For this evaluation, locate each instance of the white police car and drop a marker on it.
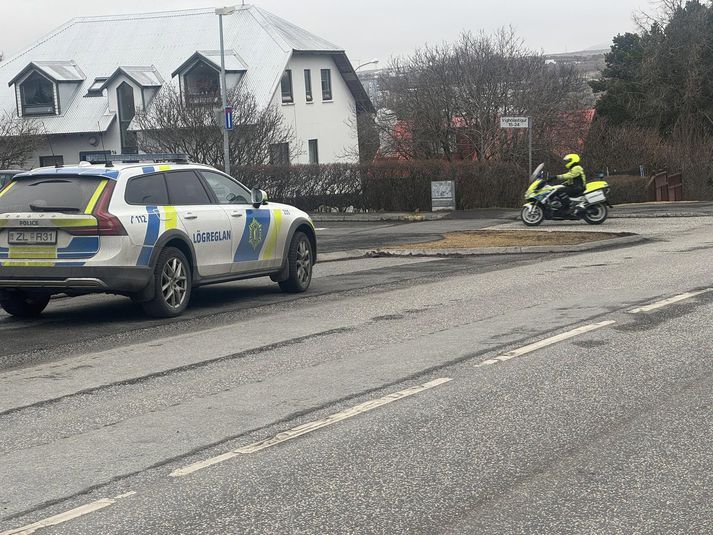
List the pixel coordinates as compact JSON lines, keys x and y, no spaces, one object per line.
{"x":149,"y":231}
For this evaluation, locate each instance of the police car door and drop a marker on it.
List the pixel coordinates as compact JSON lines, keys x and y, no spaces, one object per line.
{"x":255,"y":230}
{"x":206,"y":224}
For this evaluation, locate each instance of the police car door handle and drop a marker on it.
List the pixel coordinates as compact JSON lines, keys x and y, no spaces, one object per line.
{"x":190,"y":215}
{"x":236,"y":214}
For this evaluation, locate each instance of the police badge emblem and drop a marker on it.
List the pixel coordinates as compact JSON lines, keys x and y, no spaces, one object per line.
{"x":255,"y":236}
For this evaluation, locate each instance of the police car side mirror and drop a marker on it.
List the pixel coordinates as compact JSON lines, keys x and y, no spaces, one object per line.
{"x":259,"y":197}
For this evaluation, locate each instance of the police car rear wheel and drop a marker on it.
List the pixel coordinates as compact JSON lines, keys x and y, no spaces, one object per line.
{"x":23,"y":305}
{"x":172,"y":285}
{"x":300,"y":261}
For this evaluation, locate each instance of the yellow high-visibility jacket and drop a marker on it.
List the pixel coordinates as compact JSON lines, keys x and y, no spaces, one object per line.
{"x":574,"y":177}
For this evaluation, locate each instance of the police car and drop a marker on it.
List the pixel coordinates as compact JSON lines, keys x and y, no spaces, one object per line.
{"x":149,"y":231}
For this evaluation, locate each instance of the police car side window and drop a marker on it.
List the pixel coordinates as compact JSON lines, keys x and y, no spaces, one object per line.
{"x":186,"y":189}
{"x":226,"y":190}
{"x":147,"y":190}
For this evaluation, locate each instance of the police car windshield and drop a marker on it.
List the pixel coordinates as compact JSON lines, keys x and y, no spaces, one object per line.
{"x":41,"y":194}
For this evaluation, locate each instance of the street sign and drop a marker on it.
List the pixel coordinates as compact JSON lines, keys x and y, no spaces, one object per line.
{"x":514,"y":122}
{"x":443,"y":195}
{"x":228,"y":118}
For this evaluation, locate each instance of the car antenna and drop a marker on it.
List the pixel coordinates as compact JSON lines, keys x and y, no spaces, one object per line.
{"x":49,"y":142}
{"x":107,"y":163}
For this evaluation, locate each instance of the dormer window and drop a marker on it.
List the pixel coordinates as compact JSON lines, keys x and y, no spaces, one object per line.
{"x":199,"y":76}
{"x":37,"y":95}
{"x":202,"y":85}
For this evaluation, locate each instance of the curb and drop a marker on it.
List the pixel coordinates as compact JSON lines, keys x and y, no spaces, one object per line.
{"x":370,"y":218}
{"x":480,"y":251}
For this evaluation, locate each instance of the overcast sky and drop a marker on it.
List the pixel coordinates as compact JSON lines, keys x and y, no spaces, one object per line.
{"x":368,"y":28}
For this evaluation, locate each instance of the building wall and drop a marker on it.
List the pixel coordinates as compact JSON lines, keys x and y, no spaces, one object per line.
{"x":70,"y":145}
{"x":332,"y":124}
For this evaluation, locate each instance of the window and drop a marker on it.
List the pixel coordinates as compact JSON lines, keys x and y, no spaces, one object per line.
{"x":185,"y":189}
{"x":67,"y":194}
{"x":37,"y":95}
{"x":227,"y":190}
{"x":280,"y":154}
{"x":308,"y":85}
{"x":127,"y":110}
{"x":286,"y":86}
{"x":202,"y":85}
{"x":5,"y":179}
{"x":326,"y":84}
{"x":147,"y":190}
{"x":313,"y":151}
{"x":47,"y":161}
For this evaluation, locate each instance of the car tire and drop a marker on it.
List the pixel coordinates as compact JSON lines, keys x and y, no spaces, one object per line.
{"x":23,"y":305}
{"x":300,"y":261}
{"x":172,"y":285}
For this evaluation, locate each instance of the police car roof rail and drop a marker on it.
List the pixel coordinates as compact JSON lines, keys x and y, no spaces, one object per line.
{"x":108,"y":159}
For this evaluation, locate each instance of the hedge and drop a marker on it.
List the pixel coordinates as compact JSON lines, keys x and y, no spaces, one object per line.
{"x":388,"y":186}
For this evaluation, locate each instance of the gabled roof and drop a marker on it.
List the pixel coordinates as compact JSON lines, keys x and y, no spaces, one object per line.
{"x":262,"y":44}
{"x":59,"y":71}
{"x":233,"y":61}
{"x":141,"y":76}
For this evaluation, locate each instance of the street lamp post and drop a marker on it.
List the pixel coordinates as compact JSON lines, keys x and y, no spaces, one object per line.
{"x":229,"y":10}
{"x":372,"y":62}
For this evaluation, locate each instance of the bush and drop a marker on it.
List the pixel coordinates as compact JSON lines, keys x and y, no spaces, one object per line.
{"x":629,"y":189}
{"x":388,"y":185}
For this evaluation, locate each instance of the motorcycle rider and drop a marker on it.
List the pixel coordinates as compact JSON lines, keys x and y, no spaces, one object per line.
{"x":574,"y":180}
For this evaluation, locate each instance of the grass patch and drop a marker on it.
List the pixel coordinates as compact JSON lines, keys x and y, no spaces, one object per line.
{"x":510,"y":238}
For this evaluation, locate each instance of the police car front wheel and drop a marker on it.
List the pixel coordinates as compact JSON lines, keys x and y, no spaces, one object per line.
{"x":172,"y":285}
{"x":300,"y":261}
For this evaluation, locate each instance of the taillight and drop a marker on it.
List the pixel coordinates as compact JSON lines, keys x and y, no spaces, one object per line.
{"x":107,"y":224}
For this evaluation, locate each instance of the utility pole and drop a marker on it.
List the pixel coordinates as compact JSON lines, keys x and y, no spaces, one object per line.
{"x":529,"y":141}
{"x":223,"y":86}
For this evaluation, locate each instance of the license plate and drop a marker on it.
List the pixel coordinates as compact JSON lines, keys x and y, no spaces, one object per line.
{"x":32,"y":237}
{"x":597,"y":196}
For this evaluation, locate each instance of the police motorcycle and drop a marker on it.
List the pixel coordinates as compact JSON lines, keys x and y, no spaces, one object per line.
{"x":543,"y":203}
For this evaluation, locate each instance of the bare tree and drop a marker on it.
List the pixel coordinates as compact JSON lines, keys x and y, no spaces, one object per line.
{"x":19,"y":139}
{"x":169,"y":124}
{"x":447,"y":101}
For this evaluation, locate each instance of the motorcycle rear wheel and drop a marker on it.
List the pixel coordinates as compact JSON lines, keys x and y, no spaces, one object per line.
{"x":596,"y":214}
{"x":532,"y":215}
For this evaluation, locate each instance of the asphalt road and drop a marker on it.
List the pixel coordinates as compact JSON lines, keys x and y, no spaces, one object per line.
{"x":397,"y":396}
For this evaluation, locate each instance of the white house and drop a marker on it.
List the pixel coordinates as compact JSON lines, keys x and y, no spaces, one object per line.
{"x":84,"y":81}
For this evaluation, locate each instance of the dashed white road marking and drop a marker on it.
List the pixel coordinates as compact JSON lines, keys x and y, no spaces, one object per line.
{"x":545,"y":343}
{"x":68,"y":515}
{"x":321,"y":228}
{"x":669,"y":301}
{"x":309,"y":427}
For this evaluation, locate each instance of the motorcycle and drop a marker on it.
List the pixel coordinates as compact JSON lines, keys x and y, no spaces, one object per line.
{"x":543,"y":203}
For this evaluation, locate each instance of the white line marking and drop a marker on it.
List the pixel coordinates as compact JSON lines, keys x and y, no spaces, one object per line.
{"x":666,"y":302}
{"x":68,"y":515}
{"x":545,"y":343}
{"x":309,"y":427}
{"x":321,"y":228}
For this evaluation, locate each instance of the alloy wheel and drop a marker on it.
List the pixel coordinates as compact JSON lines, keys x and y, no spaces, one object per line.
{"x":174,"y":282}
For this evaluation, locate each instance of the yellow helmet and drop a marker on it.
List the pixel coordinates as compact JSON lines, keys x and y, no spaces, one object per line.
{"x":571,"y":160}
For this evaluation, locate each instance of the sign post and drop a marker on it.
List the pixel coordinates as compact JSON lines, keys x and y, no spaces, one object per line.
{"x":520,"y":122}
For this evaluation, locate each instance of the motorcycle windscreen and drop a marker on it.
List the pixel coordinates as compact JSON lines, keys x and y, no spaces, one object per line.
{"x":537,"y":172}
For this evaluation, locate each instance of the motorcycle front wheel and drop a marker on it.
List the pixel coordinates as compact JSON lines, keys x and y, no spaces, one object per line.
{"x":596,"y":214}
{"x":532,"y":215}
